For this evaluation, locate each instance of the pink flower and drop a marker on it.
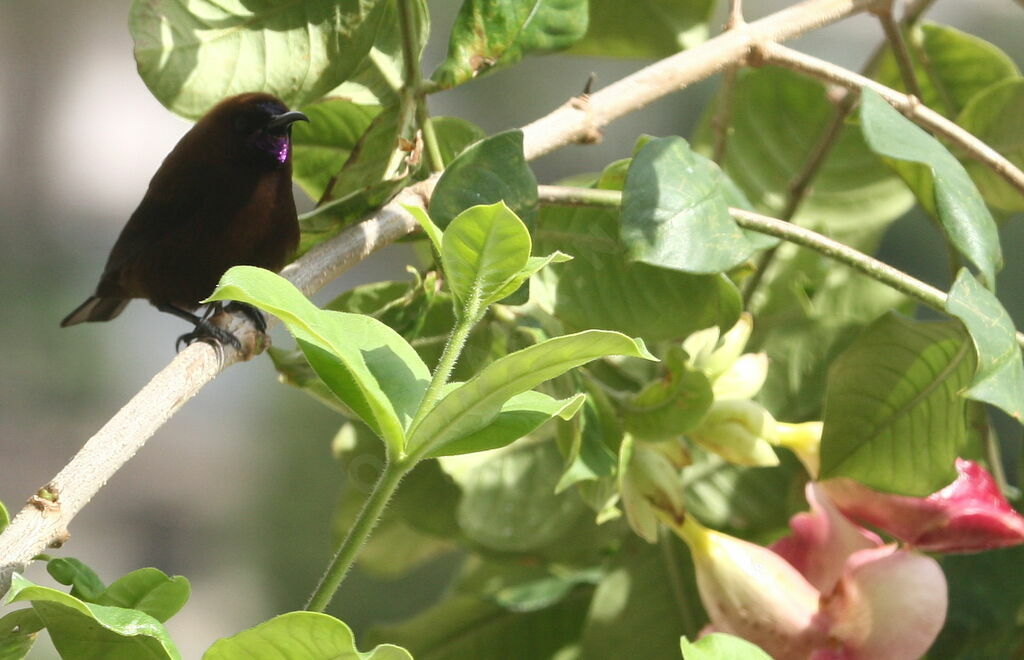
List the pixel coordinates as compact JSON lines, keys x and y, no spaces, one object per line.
{"x":969,"y":515}
{"x":830,"y":591}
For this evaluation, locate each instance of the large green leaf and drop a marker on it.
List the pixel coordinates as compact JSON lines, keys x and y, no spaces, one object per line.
{"x":675,"y":213}
{"x":951,"y":66}
{"x":996,"y":117}
{"x":601,"y":288}
{"x":472,"y":405}
{"x":946,"y":191}
{"x":84,"y":582}
{"x":380,"y":75}
{"x":489,"y":34}
{"x":193,"y":53}
{"x":644,"y":28}
{"x":364,"y":362}
{"x":519,"y":416}
{"x":377,"y":164}
{"x":483,"y":248}
{"x":492,"y":170}
{"x":895,"y":418}
{"x":149,"y":590}
{"x":670,"y":405}
{"x":508,"y":499}
{"x":1000,"y":377}
{"x":778,"y":118}
{"x":299,"y":636}
{"x":324,"y":144}
{"x":78,"y":629}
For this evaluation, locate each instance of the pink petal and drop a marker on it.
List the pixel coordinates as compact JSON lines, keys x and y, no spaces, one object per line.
{"x":890,"y":605}
{"x":822,"y":540}
{"x":969,"y":515}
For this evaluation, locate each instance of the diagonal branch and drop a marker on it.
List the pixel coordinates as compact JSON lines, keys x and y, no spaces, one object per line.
{"x":44,"y":521}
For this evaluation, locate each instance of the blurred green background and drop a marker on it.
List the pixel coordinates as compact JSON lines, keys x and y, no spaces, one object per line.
{"x":237,"y":491}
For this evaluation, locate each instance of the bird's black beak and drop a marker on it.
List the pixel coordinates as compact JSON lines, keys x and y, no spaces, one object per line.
{"x":279,"y":123}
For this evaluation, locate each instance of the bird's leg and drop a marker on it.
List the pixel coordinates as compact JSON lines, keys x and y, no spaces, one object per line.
{"x":204,"y":329}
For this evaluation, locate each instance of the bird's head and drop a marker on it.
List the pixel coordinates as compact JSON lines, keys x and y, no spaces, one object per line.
{"x":256,"y":126}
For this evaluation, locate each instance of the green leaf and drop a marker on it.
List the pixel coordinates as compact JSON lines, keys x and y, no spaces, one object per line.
{"x":508,"y":499}
{"x":454,"y":134}
{"x":364,"y":362}
{"x":462,"y":627}
{"x":84,"y":582}
{"x":669,"y":406}
{"x":18,"y":633}
{"x":644,"y":28}
{"x":1000,"y":376}
{"x":376,"y":160}
{"x":299,"y":636}
{"x":894,"y":416}
{"x":519,"y":416}
{"x":490,"y":34}
{"x":778,"y":119}
{"x":522,"y":587}
{"x":432,"y":231}
{"x":951,"y":66}
{"x":600,"y":288}
{"x":476,"y":402}
{"x":587,"y":440}
{"x":720,"y":646}
{"x":949,"y":192}
{"x":193,"y":54}
{"x":996,"y":117}
{"x":148,"y":590}
{"x":482,"y":248}
{"x":77,"y":628}
{"x":492,"y":170}
{"x":5,"y":518}
{"x":322,"y":145}
{"x":675,"y":214}
{"x":379,"y":76}
{"x":647,"y":599}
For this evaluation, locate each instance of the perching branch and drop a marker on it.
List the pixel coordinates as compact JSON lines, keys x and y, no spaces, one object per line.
{"x":44,"y":521}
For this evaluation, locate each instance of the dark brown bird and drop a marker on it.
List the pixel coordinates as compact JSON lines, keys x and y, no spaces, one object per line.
{"x":221,"y":198}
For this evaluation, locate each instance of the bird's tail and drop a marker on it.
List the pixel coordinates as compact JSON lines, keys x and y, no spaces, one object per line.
{"x":95,"y":309}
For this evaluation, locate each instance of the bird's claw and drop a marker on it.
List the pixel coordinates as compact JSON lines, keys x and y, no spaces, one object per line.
{"x":206,"y":331}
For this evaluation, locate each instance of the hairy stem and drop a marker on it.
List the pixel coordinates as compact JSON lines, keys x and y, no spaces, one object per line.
{"x":364,"y":523}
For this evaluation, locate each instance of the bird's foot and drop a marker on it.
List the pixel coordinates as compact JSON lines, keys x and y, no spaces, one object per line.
{"x":208,"y":332}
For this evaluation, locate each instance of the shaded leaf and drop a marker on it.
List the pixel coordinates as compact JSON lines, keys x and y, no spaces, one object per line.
{"x":322,"y":145}
{"x":644,"y":28}
{"x":193,"y":54}
{"x":996,"y":117}
{"x":670,"y":405}
{"x":84,"y":582}
{"x":675,"y":214}
{"x":489,"y":171}
{"x":18,"y":632}
{"x":894,"y":416}
{"x":148,"y":590}
{"x":1000,"y":376}
{"x":720,"y":646}
{"x":949,"y":192}
{"x":299,"y":636}
{"x":489,"y":34}
{"x":951,"y":66}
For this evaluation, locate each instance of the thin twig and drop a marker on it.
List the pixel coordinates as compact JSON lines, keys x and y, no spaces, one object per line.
{"x":723,"y":113}
{"x":908,"y":105}
{"x":894,"y":36}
